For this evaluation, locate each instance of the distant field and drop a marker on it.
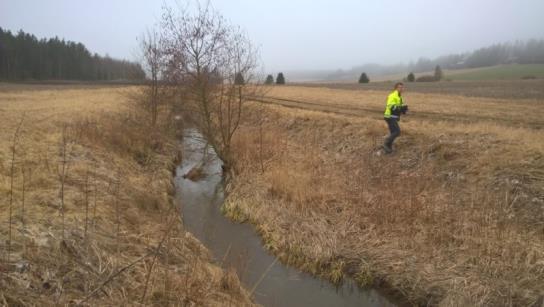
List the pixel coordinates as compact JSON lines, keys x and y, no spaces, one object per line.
{"x":504,"y":89}
{"x":503,"y":72}
{"x":60,"y":85}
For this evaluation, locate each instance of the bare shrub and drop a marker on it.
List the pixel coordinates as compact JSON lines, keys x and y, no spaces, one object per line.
{"x":151,"y":52}
{"x":127,"y":133}
{"x":14,"y":144}
{"x":26,"y":173}
{"x":86,"y":192}
{"x":65,"y":149}
{"x":157,"y":99}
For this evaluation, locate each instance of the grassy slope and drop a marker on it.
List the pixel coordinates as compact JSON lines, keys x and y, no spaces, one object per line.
{"x":502,"y":72}
{"x":453,"y":218}
{"x":130,"y":210}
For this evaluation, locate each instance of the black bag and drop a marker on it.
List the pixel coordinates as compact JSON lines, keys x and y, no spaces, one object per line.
{"x":395,"y":110}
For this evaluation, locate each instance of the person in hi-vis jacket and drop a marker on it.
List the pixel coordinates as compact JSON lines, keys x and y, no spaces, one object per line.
{"x":393,"y":110}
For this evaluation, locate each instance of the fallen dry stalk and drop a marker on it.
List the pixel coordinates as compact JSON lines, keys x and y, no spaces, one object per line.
{"x":263,"y":276}
{"x":112,"y":277}
{"x":171,"y":224}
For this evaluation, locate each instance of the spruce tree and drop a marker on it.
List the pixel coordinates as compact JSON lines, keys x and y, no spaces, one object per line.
{"x":411,"y":77}
{"x":438,"y":75}
{"x":269,"y":80}
{"x":364,"y":78}
{"x":280,"y":79}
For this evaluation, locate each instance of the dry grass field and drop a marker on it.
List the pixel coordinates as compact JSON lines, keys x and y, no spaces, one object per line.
{"x":453,"y":218}
{"x":501,"y":89}
{"x":86,"y":213}
{"x":520,"y":113}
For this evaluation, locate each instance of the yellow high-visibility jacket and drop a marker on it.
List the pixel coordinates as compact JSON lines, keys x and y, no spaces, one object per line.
{"x":394,"y":100}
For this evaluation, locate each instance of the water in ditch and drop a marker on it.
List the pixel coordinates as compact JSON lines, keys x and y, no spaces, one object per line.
{"x":239,"y":246}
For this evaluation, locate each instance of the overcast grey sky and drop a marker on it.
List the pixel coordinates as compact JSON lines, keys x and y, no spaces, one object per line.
{"x":298,"y":34}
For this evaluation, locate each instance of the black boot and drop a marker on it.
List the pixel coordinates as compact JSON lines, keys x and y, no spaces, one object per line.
{"x":387,"y":148}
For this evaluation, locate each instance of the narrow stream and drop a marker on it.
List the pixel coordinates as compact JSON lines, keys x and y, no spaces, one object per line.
{"x":239,"y":246}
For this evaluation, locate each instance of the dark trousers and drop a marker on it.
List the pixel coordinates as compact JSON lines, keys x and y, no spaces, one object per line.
{"x":394,"y":131}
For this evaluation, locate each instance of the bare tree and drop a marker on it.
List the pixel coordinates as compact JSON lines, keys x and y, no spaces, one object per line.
{"x":205,"y":55}
{"x":150,"y":46}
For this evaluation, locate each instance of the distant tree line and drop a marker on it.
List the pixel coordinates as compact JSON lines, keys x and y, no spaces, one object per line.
{"x":529,"y":52}
{"x":520,"y":52}
{"x":24,"y":57}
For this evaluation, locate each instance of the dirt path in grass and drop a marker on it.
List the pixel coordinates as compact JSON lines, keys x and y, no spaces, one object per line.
{"x":351,"y":110}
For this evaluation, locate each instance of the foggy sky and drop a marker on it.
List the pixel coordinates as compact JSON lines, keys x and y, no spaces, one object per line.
{"x":298,"y":34}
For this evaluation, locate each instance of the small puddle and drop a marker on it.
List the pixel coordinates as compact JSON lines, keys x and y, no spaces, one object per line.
{"x":239,"y":246}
